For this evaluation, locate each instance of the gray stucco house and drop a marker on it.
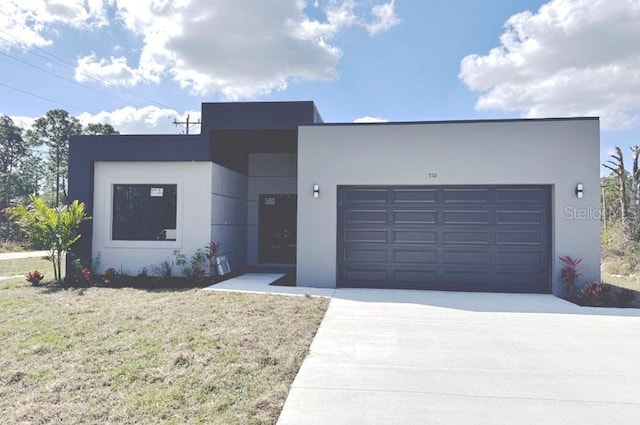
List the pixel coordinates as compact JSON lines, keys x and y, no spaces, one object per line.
{"x":483,"y":205}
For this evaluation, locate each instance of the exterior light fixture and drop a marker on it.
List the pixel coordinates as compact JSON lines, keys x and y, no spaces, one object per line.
{"x":579,"y":190}
{"x":316,"y":191}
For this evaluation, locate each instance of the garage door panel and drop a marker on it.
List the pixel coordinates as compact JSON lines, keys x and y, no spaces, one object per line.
{"x":477,"y":238}
{"x":466,"y":257}
{"x":414,"y":195}
{"x":414,"y":237}
{"x":414,"y":276}
{"x":415,"y":216}
{"x":514,"y":237}
{"x":465,"y":195}
{"x":464,"y":278}
{"x":366,"y":195}
{"x":366,"y":275}
{"x":376,"y":236}
{"x":520,"y":217}
{"x":360,"y":255}
{"x":514,"y":258}
{"x":466,"y":237}
{"x":466,"y":217}
{"x":366,"y":217}
{"x":521,"y":195}
{"x":422,"y":256}
{"x":515,"y":279}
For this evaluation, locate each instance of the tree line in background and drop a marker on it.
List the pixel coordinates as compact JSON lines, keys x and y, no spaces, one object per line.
{"x":34,"y":161}
{"x":620,"y":198}
{"x":621,"y":192}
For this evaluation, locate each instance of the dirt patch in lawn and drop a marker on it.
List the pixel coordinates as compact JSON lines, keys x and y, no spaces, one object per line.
{"x":104,"y":355}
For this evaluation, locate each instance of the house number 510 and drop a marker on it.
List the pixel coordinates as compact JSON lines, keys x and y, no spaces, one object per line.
{"x":433,"y":175}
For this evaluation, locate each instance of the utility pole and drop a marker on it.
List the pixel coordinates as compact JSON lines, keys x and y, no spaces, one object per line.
{"x":186,"y":124}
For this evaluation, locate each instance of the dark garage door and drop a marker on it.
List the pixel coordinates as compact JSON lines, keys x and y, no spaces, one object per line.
{"x":467,"y":238}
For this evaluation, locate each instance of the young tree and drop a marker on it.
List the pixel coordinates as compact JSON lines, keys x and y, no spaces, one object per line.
{"x":55,"y":229}
{"x":12,"y":151}
{"x":54,"y":131}
{"x":100,"y":129}
{"x":12,"y":147}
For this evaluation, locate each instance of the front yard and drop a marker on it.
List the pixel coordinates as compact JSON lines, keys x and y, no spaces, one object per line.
{"x":100,"y":355}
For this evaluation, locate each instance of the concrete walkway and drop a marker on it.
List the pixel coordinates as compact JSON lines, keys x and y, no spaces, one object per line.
{"x":260,"y":283}
{"x":409,"y":357}
{"x":19,"y":255}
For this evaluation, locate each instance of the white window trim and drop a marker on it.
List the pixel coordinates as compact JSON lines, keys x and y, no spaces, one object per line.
{"x":108,"y":213}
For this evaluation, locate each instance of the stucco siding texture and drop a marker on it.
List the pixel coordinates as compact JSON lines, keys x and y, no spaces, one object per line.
{"x":557,"y":152}
{"x":193,"y":180}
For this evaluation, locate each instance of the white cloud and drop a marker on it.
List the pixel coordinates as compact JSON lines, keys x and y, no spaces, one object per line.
{"x":368,"y":118}
{"x":28,"y":23}
{"x":114,"y":70}
{"x":130,"y":120}
{"x":23,"y":122}
{"x":241,"y":49}
{"x":572,"y":57}
{"x":145,"y":120}
{"x":386,"y":18}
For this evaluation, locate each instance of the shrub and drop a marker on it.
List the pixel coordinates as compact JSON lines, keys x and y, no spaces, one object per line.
{"x":162,"y":269}
{"x":190,"y":267}
{"x":55,"y":229}
{"x":81,"y":274}
{"x":595,"y":293}
{"x":35,"y":277}
{"x":569,"y":273}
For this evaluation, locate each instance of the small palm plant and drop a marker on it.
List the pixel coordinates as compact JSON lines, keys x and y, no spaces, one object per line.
{"x":55,"y":229}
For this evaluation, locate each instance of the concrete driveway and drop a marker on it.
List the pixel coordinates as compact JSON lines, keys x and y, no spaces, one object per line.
{"x":409,"y":357}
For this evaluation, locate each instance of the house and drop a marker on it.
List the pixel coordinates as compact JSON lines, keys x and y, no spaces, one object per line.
{"x":486,"y":205}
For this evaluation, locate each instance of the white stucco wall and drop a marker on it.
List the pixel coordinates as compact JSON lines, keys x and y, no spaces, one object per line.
{"x":229,"y":214}
{"x":269,"y":173}
{"x":193,"y":180}
{"x":560,"y":153}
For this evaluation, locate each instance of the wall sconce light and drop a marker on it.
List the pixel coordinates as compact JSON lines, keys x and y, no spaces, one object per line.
{"x":316,"y":191}
{"x":579,"y":190}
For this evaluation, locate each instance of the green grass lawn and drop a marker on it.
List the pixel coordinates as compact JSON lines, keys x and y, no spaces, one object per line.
{"x":101,"y":355}
{"x":23,"y":266}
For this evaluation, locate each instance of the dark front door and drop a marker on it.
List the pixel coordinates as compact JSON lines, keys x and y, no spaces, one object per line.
{"x":277,"y":224}
{"x":463,"y":238}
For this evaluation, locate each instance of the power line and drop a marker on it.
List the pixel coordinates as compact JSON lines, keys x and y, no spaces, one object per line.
{"x":70,"y":65}
{"x":66,"y":105}
{"x":63,"y":78}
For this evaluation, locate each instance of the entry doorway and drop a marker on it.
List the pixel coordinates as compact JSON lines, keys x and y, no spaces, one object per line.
{"x":277,"y":228}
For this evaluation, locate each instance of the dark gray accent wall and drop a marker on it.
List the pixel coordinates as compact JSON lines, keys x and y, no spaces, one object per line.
{"x":257,"y":115}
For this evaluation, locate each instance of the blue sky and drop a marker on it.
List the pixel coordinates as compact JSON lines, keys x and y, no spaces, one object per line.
{"x":140,"y":64}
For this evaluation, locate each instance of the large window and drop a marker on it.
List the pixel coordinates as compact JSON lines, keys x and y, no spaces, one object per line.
{"x":144,"y":212}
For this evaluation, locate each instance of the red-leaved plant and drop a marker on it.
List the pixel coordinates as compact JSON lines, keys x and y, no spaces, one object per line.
{"x":34,"y":277}
{"x":595,"y":293}
{"x":569,"y":273}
